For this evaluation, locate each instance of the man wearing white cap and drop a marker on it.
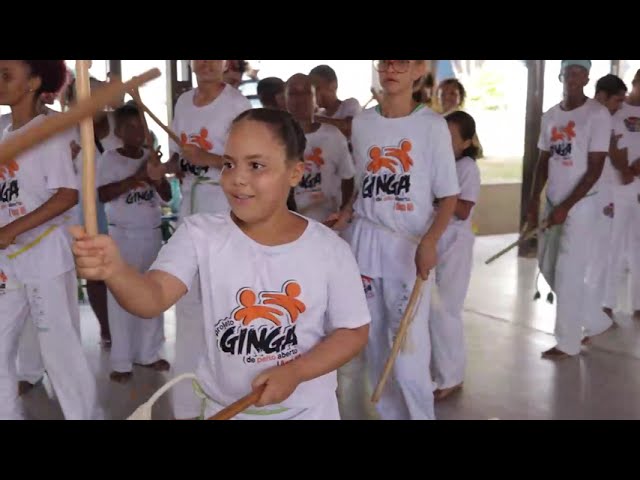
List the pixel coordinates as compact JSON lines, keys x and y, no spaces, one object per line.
{"x":574,"y":142}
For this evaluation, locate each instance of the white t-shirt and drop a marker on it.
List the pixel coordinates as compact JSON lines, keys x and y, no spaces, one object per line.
{"x":30,"y":181}
{"x":327,"y":162}
{"x":627,"y":124}
{"x":348,"y":108}
{"x":138,"y":208}
{"x":570,"y":136}
{"x":265,"y":305}
{"x":402,"y":165}
{"x":208,"y":128}
{"x":469,"y":180}
{"x":111,"y":141}
{"x":5,"y":121}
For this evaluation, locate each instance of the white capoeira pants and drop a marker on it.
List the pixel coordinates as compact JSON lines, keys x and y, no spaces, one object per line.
{"x":50,"y":304}
{"x":134,"y":339}
{"x":577,"y":303}
{"x":387,"y":263}
{"x":623,"y":247}
{"x":30,"y":364}
{"x":408,"y":394}
{"x":453,"y":273}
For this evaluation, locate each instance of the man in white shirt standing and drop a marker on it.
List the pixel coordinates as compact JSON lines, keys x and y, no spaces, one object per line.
{"x":574,"y":142}
{"x":624,"y":245}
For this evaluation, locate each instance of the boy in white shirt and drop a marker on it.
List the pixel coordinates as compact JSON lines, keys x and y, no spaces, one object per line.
{"x":624,"y":246}
{"x":282,"y":296}
{"x":327,"y":183}
{"x":610,"y":92}
{"x":336,"y":112}
{"x":132,"y":203}
{"x":574,"y":142}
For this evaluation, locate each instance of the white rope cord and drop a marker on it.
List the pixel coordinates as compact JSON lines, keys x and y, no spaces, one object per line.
{"x":143,"y":412}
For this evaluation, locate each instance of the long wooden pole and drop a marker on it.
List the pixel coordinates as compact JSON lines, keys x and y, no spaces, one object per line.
{"x":53,"y":124}
{"x":87,"y":142}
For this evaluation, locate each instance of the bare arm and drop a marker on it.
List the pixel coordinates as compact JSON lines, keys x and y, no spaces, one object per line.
{"x":539,"y":181}
{"x":463,"y":209}
{"x":619,"y":156}
{"x":163,"y":188}
{"x":145,"y":295}
{"x":594,"y":170}
{"x":111,"y":191}
{"x":60,"y":202}
{"x":348,"y":188}
{"x":330,"y":354}
{"x":426,"y":254}
{"x":172,"y":165}
{"x":446,"y":209}
{"x":541,"y":176}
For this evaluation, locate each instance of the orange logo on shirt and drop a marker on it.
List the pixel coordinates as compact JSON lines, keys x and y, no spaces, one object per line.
{"x":562,"y":133}
{"x":315,"y":157}
{"x":287,"y":300}
{"x":561,"y":142}
{"x":255,"y":342}
{"x":3,"y":277}
{"x":395,"y":159}
{"x":9,"y":170}
{"x":201,"y":139}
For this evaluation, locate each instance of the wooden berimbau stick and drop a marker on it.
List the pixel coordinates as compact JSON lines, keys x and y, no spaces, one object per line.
{"x":54,"y":124}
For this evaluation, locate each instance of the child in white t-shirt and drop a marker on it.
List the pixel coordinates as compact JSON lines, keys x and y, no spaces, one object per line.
{"x":327,"y":182}
{"x":282,"y":296}
{"x":202,"y":119}
{"x":132,"y":203}
{"x":37,"y":191}
{"x":455,"y":259}
{"x":404,"y":161}
{"x":336,"y":112}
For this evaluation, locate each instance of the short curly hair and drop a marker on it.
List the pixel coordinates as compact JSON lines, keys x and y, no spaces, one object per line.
{"x":52,"y":73}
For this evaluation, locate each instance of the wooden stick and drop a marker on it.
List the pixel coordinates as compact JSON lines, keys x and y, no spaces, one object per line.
{"x":54,"y":124}
{"x":523,"y":238}
{"x":87,"y":143}
{"x":172,"y":135}
{"x":407,"y":318}
{"x":153,"y":156}
{"x":239,"y":406}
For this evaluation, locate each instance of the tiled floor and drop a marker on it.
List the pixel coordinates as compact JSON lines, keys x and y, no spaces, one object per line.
{"x":506,"y":378}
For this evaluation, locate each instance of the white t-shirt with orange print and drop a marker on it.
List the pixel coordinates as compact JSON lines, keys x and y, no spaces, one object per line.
{"x":569,"y":136}
{"x":327,"y":162}
{"x":208,"y":128}
{"x":265,"y":305}
{"x":402,"y":166}
{"x":26,"y":184}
